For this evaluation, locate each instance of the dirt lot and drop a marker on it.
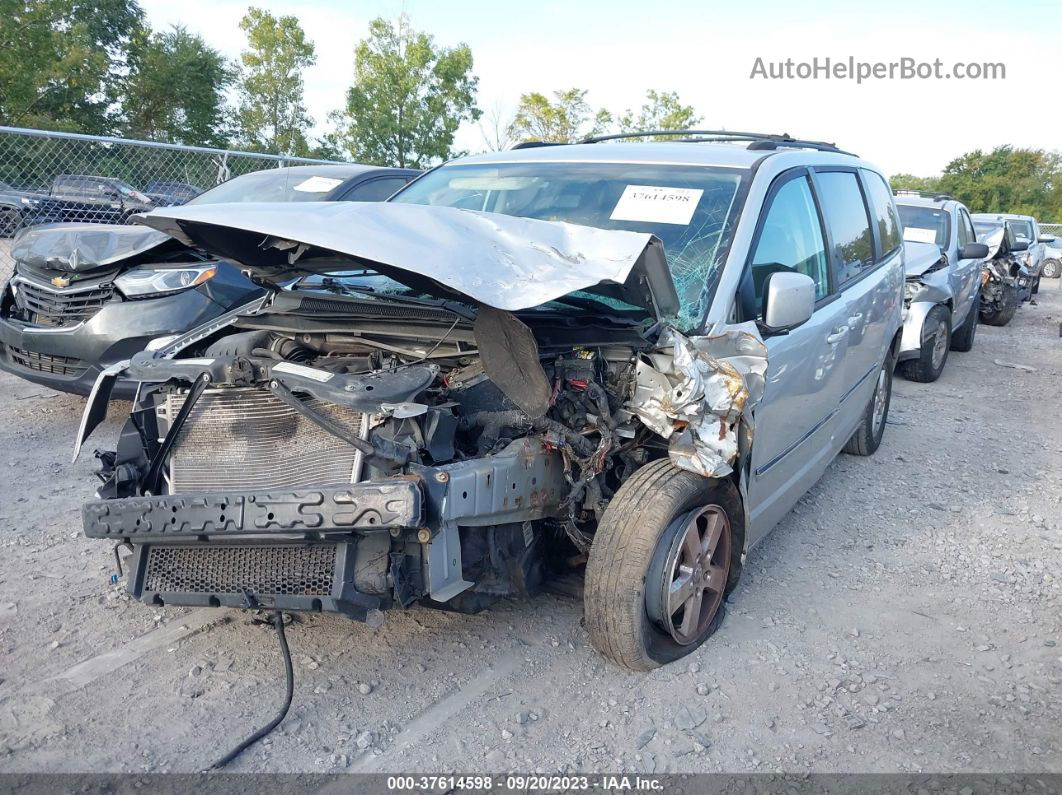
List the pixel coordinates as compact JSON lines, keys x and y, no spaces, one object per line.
{"x":904,"y":617}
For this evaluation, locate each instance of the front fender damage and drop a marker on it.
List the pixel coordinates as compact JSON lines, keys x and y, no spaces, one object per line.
{"x":696,"y":392}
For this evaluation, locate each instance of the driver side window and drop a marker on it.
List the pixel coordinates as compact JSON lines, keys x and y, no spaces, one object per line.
{"x":791,"y":240}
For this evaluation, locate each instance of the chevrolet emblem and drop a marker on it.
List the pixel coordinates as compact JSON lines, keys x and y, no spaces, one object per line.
{"x":60,"y":282}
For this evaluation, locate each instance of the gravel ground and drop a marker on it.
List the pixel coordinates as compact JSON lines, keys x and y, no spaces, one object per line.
{"x":904,"y":617}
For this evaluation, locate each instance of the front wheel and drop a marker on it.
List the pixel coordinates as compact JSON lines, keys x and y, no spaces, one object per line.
{"x":933,"y":355}
{"x":666,"y":552}
{"x":1052,"y":269}
{"x":10,"y":221}
{"x":867,"y":438}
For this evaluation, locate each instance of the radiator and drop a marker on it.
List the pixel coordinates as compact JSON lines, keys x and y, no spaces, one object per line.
{"x":239,"y":439}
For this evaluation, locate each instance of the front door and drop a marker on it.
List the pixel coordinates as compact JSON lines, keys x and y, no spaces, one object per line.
{"x":796,"y":421}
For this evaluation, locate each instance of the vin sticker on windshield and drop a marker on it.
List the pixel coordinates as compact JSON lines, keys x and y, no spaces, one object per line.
{"x":305,"y":372}
{"x":657,"y":205}
{"x":317,"y":185}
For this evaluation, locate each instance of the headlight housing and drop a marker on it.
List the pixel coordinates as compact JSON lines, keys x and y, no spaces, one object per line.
{"x":29,"y":202}
{"x":148,"y":283}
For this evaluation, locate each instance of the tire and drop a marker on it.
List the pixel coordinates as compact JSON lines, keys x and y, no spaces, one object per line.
{"x":867,"y":438}
{"x":963,"y":338}
{"x":10,"y":222}
{"x":933,"y":355}
{"x":1001,"y":317}
{"x":1052,"y":269}
{"x":639,"y":533}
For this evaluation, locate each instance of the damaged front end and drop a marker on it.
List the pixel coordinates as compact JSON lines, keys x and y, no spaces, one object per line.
{"x":354,"y":450}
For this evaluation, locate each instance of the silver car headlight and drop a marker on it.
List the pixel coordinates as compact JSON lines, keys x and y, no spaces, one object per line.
{"x":147,"y":283}
{"x":910,"y":289}
{"x":29,"y":202}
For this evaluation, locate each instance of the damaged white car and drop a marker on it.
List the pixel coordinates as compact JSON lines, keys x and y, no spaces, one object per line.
{"x":630,"y":359}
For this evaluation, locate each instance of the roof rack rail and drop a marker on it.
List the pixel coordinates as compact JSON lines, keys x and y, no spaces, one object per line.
{"x":536,"y":144}
{"x":932,"y":195}
{"x":756,"y":140}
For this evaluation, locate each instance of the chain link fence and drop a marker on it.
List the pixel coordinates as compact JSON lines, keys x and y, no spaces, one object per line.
{"x":48,"y":177}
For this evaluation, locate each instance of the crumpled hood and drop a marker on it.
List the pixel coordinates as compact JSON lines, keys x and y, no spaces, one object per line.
{"x":500,"y":260}
{"x":920,"y":257}
{"x":85,"y":247}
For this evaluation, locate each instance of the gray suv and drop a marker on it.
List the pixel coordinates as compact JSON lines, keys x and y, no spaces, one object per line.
{"x":942,"y":291}
{"x":624,"y":360}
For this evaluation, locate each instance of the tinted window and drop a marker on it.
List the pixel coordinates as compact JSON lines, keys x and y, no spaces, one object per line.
{"x":846,"y":216}
{"x":889,"y":233}
{"x":791,"y":240}
{"x":376,"y":190}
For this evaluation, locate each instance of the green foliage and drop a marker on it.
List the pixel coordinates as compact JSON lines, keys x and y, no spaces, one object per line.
{"x":176,"y":90}
{"x":408,"y":98}
{"x":911,"y":182}
{"x":1006,"y":180}
{"x":272,"y":116}
{"x":566,"y":119}
{"x":661,"y":111}
{"x":62,"y":62}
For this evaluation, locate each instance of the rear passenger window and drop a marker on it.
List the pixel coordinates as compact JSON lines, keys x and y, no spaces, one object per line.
{"x":846,"y":217}
{"x":889,"y":229}
{"x":791,"y":240}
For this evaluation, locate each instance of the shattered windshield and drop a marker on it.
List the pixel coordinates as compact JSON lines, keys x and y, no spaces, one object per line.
{"x":691,"y":209}
{"x":924,"y":224}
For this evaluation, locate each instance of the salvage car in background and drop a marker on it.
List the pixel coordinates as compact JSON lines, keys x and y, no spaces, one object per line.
{"x":166,"y":193}
{"x":20,"y":208}
{"x":1026,"y":231}
{"x":1005,"y":280}
{"x":942,"y":289}
{"x":84,"y":296}
{"x":1052,"y":268}
{"x":98,"y":200}
{"x":550,"y":357}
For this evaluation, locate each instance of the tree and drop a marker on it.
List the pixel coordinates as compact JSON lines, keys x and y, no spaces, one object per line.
{"x":1005,"y":180}
{"x":661,"y":111}
{"x":408,"y":98}
{"x":272,"y":116}
{"x":496,"y":128}
{"x":911,"y":182}
{"x":567,"y":119}
{"x":62,"y":61}
{"x":176,"y":90}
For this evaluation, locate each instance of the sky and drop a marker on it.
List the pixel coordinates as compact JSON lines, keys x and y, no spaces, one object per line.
{"x":706,"y":51}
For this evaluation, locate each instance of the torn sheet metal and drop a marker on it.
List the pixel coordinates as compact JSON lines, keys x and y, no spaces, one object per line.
{"x":694,"y":391}
{"x":504,"y":261}
{"x":85,"y":247}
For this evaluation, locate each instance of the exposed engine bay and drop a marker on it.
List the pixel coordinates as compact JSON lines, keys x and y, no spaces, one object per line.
{"x":343,"y":450}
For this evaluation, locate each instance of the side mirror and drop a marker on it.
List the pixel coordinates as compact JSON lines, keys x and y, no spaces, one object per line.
{"x":974,"y":251}
{"x":1047,"y":239}
{"x":1020,"y":245}
{"x":788,"y":300}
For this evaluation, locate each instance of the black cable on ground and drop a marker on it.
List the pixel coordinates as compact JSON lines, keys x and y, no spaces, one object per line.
{"x":278,"y":622}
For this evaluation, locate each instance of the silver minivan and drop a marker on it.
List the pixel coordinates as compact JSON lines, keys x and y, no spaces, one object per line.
{"x":623,"y":359}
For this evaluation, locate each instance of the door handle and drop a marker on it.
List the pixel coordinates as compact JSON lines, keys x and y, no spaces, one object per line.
{"x":837,"y":335}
